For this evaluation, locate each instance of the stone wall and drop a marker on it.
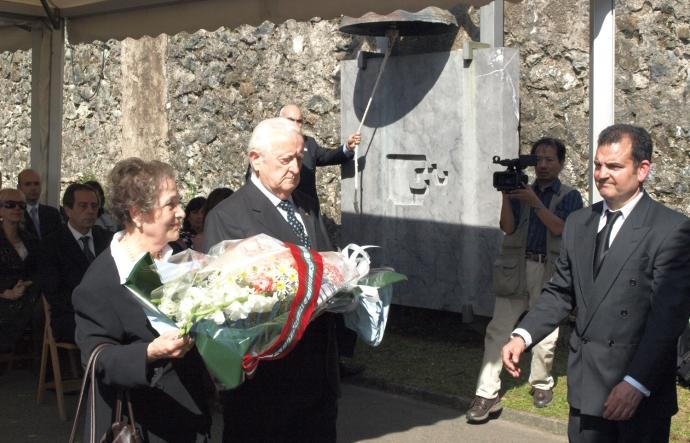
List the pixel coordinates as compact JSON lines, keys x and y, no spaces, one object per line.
{"x":221,"y":83}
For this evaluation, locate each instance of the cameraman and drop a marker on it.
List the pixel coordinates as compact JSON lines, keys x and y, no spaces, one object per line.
{"x":532,"y":218}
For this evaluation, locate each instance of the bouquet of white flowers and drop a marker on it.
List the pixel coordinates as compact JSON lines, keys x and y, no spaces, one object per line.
{"x":251,"y":300}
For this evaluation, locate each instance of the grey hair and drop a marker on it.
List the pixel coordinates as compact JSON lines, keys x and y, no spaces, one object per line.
{"x":268,"y":130}
{"x":134,"y":183}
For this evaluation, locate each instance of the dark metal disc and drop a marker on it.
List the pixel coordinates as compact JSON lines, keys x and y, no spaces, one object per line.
{"x":428,"y":21}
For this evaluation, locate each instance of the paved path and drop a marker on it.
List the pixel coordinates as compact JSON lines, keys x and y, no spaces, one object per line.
{"x":366,"y":415}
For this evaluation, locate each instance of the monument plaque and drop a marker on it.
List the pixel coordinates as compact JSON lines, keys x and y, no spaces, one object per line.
{"x":425,"y":172}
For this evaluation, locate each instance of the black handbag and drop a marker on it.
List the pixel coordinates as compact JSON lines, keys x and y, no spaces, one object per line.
{"x":121,"y":431}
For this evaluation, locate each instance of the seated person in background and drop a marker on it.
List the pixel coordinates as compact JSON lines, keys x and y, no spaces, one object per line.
{"x":104,"y":220}
{"x":216,"y":196}
{"x":192,"y":233}
{"x":67,"y":254}
{"x":18,"y":252}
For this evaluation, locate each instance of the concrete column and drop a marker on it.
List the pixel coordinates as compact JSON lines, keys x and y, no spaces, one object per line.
{"x":144,"y":96}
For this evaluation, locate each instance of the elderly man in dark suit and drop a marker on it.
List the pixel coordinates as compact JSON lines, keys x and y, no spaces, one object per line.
{"x":67,"y":254}
{"x":625,"y":265}
{"x":295,"y":398}
{"x":39,"y":219}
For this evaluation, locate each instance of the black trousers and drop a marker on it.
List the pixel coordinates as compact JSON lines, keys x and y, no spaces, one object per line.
{"x":641,"y":428}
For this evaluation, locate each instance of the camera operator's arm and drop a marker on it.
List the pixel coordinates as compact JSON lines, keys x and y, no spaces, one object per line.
{"x":507,"y":222}
{"x":552,"y":222}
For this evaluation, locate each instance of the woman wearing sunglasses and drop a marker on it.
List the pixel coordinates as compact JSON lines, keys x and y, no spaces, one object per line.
{"x":18,"y":264}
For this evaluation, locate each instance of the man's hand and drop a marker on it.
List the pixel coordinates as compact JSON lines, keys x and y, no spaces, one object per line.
{"x":511,"y":355}
{"x":622,"y":402}
{"x":353,"y":140}
{"x":527,"y":195}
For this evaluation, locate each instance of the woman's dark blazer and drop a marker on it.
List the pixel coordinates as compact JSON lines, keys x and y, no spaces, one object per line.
{"x":168,"y":395}
{"x":16,"y":314}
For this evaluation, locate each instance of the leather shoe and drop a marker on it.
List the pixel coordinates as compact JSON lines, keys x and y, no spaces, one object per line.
{"x":541,"y":397}
{"x":350,"y":369}
{"x":481,"y":408}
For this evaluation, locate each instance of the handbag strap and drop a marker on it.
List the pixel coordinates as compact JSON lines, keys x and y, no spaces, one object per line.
{"x":118,"y":410}
{"x":88,"y":381}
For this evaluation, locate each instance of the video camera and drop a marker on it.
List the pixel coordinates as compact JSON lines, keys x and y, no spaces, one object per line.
{"x":513,"y":177}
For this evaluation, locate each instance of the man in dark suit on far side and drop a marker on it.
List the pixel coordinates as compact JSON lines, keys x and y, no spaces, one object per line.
{"x":625,"y":265}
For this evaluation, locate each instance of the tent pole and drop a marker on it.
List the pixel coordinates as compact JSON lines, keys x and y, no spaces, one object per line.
{"x":602,"y":70}
{"x":46,"y":107}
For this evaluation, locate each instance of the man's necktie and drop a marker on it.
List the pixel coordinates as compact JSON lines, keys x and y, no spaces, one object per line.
{"x":34,"y":218}
{"x":85,"y":247}
{"x":296,"y":226}
{"x":603,"y":237}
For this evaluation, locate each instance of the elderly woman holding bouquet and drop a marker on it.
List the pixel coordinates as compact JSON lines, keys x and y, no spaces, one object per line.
{"x":161,"y":371}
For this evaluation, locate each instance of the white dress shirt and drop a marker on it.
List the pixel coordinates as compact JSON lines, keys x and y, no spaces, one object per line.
{"x":276,"y":201}
{"x":125,"y":264}
{"x":78,"y":235}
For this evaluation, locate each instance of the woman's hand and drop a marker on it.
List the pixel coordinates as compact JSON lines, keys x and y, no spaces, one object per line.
{"x":169,"y":345}
{"x":17,"y":291}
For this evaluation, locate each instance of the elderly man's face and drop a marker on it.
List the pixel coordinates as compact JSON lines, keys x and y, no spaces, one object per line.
{"x":278,"y":166}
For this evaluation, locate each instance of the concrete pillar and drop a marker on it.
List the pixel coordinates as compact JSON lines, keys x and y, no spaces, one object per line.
{"x":144,"y":97}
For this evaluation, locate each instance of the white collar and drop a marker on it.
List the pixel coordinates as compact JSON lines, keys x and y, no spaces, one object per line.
{"x":627,"y":208}
{"x":123,"y":262}
{"x":78,"y":235}
{"x":272,"y":197}
{"x":29,"y":206}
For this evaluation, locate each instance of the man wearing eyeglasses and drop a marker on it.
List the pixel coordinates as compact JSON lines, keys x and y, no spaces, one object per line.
{"x":39,"y":219}
{"x":315,"y":155}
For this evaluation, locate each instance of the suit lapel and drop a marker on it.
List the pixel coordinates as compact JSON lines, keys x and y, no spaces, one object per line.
{"x":100,"y":240}
{"x":584,"y":251}
{"x":268,"y":216}
{"x":73,"y":249}
{"x":623,"y":247}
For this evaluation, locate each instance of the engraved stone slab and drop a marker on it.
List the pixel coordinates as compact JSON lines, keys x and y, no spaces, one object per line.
{"x":425,"y":193}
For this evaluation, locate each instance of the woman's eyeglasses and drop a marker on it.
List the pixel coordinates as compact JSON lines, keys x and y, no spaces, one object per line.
{"x":11,"y":204}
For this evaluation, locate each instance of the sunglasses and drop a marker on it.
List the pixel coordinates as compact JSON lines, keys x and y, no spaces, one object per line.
{"x":296,"y":120}
{"x":11,"y":204}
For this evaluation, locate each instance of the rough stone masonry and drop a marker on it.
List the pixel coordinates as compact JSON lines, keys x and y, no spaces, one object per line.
{"x":219,"y":84}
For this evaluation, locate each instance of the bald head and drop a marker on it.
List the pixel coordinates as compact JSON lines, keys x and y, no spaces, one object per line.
{"x":29,"y":182}
{"x":292,"y":113}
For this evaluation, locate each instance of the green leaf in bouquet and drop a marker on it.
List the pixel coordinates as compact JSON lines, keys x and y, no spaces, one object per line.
{"x":381,"y":277}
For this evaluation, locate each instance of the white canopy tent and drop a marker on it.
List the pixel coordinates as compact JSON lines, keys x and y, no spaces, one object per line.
{"x":41,"y":26}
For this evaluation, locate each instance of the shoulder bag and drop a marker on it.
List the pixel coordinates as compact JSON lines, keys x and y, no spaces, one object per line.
{"x":120,"y":431}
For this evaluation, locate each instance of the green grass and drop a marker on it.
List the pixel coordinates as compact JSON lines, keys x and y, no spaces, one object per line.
{"x":435,"y":351}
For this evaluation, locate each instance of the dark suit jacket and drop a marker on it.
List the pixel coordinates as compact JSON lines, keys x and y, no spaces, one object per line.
{"x":168,"y":396}
{"x":15,"y":315}
{"x":629,"y":318}
{"x":314,"y":155}
{"x":62,"y":266}
{"x":311,"y":367}
{"x":48,"y":217}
